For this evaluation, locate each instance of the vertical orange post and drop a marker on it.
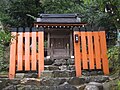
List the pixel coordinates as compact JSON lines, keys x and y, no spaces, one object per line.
{"x":77,"y":54}
{"x":33,"y":61}
{"x":20,"y":49}
{"x":40,"y":51}
{"x":27,"y":49}
{"x":84,"y":50}
{"x":90,"y":49}
{"x":104,"y":52}
{"x":97,"y":50}
{"x":12,"y":65}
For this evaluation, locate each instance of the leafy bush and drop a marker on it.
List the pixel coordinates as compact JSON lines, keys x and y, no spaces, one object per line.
{"x":118,"y":86}
{"x":113,"y":56}
{"x":5,"y":37}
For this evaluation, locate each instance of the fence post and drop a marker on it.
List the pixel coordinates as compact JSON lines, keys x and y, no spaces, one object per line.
{"x":27,"y":48}
{"x":40,"y":50}
{"x":77,"y":51}
{"x":104,"y":52}
{"x":12,"y":65}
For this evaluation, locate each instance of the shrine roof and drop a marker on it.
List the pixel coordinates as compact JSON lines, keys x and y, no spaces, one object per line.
{"x":59,"y":18}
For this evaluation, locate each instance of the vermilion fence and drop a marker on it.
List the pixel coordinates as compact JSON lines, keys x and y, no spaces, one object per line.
{"x":90,"y":51}
{"x":26,"y":50}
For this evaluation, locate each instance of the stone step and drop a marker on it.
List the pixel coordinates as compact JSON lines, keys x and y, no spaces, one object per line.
{"x":34,"y":87}
{"x":54,"y":71}
{"x":73,"y":80}
{"x":58,"y":73}
{"x":63,"y":67}
{"x":76,"y":83}
{"x":51,"y":67}
{"x":92,"y":72}
{"x":59,"y":62}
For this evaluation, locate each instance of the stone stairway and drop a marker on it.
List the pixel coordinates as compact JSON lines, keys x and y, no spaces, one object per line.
{"x":64,"y":83}
{"x":58,"y":75}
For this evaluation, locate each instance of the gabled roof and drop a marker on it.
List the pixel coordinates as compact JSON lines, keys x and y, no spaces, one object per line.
{"x":58,"y":18}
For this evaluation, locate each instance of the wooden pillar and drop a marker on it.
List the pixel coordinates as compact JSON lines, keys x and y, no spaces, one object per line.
{"x":48,"y":45}
{"x":67,"y":49}
{"x":77,"y":53}
{"x":71,"y":43}
{"x":33,"y":58}
{"x":105,"y":63}
{"x":13,"y":48}
{"x":40,"y":50}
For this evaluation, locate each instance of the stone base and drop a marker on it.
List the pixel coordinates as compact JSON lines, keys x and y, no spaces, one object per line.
{"x":65,"y":83}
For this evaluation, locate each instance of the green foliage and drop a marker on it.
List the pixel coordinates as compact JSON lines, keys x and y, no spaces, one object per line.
{"x":113,"y":56}
{"x":5,"y":38}
{"x":4,"y":53}
{"x":23,"y":12}
{"x":60,"y":6}
{"x":20,"y":9}
{"x":118,"y":85}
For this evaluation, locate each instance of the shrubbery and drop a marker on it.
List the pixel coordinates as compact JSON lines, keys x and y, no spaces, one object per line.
{"x":5,"y":37}
{"x":113,"y":56}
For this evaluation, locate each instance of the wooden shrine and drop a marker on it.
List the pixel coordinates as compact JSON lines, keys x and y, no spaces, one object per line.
{"x":58,"y":31}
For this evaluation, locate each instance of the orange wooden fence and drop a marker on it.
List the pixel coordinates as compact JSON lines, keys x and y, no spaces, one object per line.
{"x":90,"y":51}
{"x":26,"y":51}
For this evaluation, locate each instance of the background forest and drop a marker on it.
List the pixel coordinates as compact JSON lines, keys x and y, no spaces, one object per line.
{"x":22,"y":13}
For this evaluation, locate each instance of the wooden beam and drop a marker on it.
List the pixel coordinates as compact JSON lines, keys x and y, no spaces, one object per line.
{"x":40,"y":51}
{"x":48,"y":44}
{"x":71,"y":43}
{"x":97,"y":50}
{"x":105,"y":64}
{"x":77,"y":54}
{"x":59,"y":24}
{"x":27,"y":49}
{"x":34,"y":44}
{"x":84,"y":50}
{"x":20,"y":50}
{"x":12,"y":65}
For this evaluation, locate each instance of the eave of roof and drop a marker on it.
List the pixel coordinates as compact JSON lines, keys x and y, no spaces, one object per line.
{"x":58,"y":15}
{"x":60,"y":24}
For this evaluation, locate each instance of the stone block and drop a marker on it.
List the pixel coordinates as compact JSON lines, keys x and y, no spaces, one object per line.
{"x":52,"y":81}
{"x":76,"y":81}
{"x":64,"y":73}
{"x":51,"y":67}
{"x":66,"y":86}
{"x":99,"y":85}
{"x":47,"y":74}
{"x":48,"y":62}
{"x":91,"y":87}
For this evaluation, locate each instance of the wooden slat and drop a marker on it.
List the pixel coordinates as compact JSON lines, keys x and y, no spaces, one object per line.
{"x":90,"y":50}
{"x":27,"y":49}
{"x":12,"y":65}
{"x":97,"y":50}
{"x":33,"y":62}
{"x":104,"y":52}
{"x":30,"y":33}
{"x":20,"y":50}
{"x":84,"y":50}
{"x":77,"y":55}
{"x":40,"y":52}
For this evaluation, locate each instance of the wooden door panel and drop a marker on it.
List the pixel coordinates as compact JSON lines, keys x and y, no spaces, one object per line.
{"x":59,"y":46}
